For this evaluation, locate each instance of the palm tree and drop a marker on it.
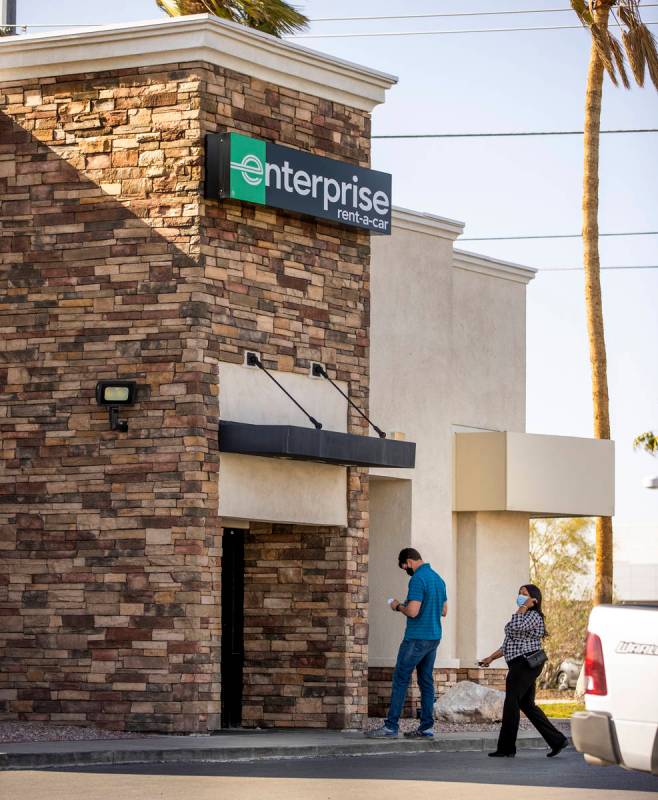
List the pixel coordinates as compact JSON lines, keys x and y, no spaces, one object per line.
{"x":270,"y":16}
{"x":606,"y":55}
{"x":647,"y":441}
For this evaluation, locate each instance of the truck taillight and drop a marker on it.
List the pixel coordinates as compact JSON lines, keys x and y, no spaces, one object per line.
{"x":595,"y":682}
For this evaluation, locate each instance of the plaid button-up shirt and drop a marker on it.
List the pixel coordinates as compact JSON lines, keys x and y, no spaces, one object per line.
{"x":523,"y":635}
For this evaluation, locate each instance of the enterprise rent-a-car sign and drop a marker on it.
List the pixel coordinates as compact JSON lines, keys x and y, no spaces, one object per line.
{"x":241,"y":168}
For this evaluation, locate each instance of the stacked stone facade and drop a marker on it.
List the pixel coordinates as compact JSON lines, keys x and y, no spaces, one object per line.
{"x":114,"y":267}
{"x":306,"y":631}
{"x":379,"y":686}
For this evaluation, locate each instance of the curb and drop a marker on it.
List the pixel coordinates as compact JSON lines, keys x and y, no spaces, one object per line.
{"x":20,"y":761}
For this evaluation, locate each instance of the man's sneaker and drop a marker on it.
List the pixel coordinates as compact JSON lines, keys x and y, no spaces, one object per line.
{"x":382,"y":733}
{"x":418,"y":734}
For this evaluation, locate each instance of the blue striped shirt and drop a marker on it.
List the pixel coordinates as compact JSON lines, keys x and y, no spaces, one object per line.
{"x":429,"y":588}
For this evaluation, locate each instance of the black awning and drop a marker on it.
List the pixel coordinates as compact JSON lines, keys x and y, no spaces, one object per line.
{"x":308,"y":444}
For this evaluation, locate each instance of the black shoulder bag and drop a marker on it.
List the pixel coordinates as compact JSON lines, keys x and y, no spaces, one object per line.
{"x":536,"y":659}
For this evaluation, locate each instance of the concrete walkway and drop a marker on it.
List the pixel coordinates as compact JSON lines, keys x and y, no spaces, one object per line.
{"x":236,"y":746}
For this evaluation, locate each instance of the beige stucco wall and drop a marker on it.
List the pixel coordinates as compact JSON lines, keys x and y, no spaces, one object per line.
{"x":571,"y":475}
{"x":488,"y":351}
{"x":494,"y":562}
{"x":276,"y":490}
{"x":447,"y":350}
{"x":541,"y":475}
{"x":390,"y":531}
{"x":273,"y":489}
{"x":410,"y":365}
{"x":248,"y":395}
{"x":480,"y":475}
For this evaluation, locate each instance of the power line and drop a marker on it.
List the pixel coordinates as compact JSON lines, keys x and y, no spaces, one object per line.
{"x":25,"y":25}
{"x":443,"y":33}
{"x":443,"y":15}
{"x":580,"y":269}
{"x":505,"y":133}
{"x":552,"y":236}
{"x":455,"y":14}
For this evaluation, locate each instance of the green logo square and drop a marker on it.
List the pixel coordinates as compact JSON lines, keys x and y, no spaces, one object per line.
{"x":248,"y":168}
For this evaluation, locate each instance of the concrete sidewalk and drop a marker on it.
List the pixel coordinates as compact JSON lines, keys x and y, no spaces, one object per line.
{"x":237,"y":746}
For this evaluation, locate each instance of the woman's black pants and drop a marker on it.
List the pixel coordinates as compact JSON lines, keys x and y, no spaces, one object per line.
{"x":520,"y":696}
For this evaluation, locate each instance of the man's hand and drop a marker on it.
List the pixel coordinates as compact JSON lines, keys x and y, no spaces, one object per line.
{"x":395,"y":604}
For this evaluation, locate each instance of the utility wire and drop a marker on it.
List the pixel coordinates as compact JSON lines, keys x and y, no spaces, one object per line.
{"x":580,"y":269}
{"x":553,"y":236}
{"x":443,"y":15}
{"x":441,"y":33}
{"x":24,"y":26}
{"x":456,"y":14}
{"x":505,"y":133}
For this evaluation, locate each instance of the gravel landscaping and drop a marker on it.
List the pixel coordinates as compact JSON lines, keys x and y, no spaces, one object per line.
{"x":42,"y":732}
{"x":45,"y":732}
{"x":465,"y":727}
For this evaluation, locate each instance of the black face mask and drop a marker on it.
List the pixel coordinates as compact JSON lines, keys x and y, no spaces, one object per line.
{"x":409,"y":571}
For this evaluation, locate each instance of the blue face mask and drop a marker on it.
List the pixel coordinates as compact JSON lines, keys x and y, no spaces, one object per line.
{"x":521,"y":600}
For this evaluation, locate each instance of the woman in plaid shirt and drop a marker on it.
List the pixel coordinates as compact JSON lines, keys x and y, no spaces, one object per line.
{"x":523,"y":637}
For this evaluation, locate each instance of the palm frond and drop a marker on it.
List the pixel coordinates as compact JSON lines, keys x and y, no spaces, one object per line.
{"x":601,"y":40}
{"x":632,"y":40}
{"x":275,"y":17}
{"x":629,"y":13}
{"x":182,"y":8}
{"x":650,"y":54}
{"x":618,"y":55}
{"x":582,"y":12}
{"x":647,"y":441}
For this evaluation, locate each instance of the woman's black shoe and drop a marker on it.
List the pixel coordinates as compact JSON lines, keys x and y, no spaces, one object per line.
{"x":557,"y":750}
{"x":498,"y":754}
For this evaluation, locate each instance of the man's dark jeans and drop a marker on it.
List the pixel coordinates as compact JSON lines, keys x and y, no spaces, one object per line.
{"x":418,"y":654}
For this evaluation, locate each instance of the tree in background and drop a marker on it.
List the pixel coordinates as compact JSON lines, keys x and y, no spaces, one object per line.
{"x":561,"y":554}
{"x":270,"y":16}
{"x":606,"y":55}
{"x":647,"y":441}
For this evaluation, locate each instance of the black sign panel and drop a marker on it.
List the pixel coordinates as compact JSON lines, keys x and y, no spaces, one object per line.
{"x":242,"y":168}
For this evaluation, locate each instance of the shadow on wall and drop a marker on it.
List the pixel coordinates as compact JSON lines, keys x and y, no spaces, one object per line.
{"x":109,"y":569}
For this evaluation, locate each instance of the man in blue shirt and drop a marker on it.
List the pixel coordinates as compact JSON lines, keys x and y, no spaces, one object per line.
{"x":426,"y":603}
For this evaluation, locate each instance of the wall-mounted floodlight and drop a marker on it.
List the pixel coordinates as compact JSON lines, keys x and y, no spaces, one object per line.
{"x":114,"y":394}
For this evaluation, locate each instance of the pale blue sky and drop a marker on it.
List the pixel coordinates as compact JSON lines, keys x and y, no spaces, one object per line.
{"x":514,"y":81}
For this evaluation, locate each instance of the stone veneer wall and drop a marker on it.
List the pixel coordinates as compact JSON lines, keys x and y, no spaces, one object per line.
{"x":305,"y":649}
{"x":113,"y":267}
{"x":297,"y":290}
{"x":445,"y":678}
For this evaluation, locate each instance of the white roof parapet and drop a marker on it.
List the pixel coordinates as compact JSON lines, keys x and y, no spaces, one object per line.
{"x":199,"y":37}
{"x":429,"y":224}
{"x":494,"y":267}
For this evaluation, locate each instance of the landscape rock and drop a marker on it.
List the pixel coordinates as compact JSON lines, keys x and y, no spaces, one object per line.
{"x":470,"y":702}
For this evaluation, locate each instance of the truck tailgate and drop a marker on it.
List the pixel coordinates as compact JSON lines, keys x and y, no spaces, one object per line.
{"x":629,"y":637}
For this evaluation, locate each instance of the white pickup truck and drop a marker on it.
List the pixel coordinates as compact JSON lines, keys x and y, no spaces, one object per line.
{"x":620,"y":725}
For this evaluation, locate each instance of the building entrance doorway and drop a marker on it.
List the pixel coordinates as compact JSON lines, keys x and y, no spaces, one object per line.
{"x":232,"y":658}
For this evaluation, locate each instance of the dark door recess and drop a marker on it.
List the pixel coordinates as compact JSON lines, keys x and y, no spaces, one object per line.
{"x":232,"y":661}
